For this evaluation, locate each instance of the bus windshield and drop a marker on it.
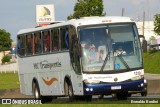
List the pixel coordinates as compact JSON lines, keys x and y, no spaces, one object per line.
{"x":110,"y":47}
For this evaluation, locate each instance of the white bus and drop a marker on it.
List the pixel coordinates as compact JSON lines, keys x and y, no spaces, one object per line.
{"x":81,"y":57}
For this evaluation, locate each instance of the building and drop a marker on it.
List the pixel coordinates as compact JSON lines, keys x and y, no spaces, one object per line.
{"x":149,"y":34}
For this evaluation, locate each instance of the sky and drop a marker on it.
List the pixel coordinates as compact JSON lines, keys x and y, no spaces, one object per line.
{"x":21,"y":14}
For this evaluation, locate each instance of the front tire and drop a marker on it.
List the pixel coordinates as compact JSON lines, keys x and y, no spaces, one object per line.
{"x":122,"y":96}
{"x":70,"y":92}
{"x":88,"y":98}
{"x":36,"y":91}
{"x":144,"y":94}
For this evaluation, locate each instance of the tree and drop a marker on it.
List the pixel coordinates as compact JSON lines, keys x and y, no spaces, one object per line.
{"x":5,"y":40}
{"x":152,"y":40}
{"x":85,"y":8}
{"x":157,"y":24}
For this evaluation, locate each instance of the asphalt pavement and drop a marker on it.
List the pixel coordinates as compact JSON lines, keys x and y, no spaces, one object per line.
{"x":148,"y":76}
{"x":153,"y":82}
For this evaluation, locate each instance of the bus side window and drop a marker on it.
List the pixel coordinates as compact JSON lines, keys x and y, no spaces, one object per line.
{"x":21,"y":45}
{"x":46,"y":41}
{"x":38,"y":43}
{"x":64,"y":38}
{"x":55,"y":40}
{"x":29,"y":44}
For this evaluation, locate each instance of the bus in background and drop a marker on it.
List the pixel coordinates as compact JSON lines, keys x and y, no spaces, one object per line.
{"x":81,"y":57}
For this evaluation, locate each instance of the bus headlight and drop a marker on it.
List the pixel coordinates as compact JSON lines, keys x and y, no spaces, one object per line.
{"x":91,"y":81}
{"x":137,"y":77}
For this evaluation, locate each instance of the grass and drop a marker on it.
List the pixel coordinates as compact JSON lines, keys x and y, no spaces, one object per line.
{"x":9,"y":81}
{"x":152,"y":62}
{"x":85,"y":105}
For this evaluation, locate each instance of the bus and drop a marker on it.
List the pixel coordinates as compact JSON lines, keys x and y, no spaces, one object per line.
{"x":81,"y":57}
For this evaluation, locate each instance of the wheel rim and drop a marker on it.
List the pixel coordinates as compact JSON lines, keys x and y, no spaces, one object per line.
{"x":36,"y":93}
{"x":70,"y":92}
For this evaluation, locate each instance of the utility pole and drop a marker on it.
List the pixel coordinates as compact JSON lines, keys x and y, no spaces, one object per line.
{"x":122,"y":11}
{"x":143,"y":23}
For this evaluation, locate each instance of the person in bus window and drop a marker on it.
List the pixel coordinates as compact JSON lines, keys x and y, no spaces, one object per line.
{"x":45,"y":42}
{"x":67,"y":38}
{"x":39,"y":43}
{"x":31,"y":41}
{"x":45,"y":47}
{"x":19,"y":43}
{"x":102,"y":48}
{"x":36,"y":43}
{"x":29,"y":45}
{"x":48,"y":43}
{"x":55,"y":40}
{"x":120,"y":51}
{"x":19,"y":46}
{"x":92,"y":54}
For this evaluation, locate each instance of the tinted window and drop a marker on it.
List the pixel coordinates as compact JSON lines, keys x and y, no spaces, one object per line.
{"x":29,"y":44}
{"x":38,"y":43}
{"x":21,"y":45}
{"x":64,"y":37}
{"x":46,"y":41}
{"x":55,"y":40}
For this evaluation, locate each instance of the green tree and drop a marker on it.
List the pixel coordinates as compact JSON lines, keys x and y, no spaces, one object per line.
{"x":85,"y":8}
{"x":5,"y":40}
{"x":157,"y":24}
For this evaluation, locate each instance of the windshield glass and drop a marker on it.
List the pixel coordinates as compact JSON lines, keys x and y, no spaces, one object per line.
{"x":114,"y":46}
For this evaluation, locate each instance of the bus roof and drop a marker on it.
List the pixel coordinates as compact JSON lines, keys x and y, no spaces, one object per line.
{"x":80,"y":22}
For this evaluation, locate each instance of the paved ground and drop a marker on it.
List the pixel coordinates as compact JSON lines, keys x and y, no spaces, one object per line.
{"x":12,"y":93}
{"x":153,"y":82}
{"x":152,"y":76}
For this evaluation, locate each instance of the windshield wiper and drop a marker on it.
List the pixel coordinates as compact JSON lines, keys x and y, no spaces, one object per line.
{"x":123,"y":61}
{"x":105,"y":61}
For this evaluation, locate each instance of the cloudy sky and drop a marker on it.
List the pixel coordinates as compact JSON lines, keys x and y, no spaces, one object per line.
{"x":20,"y":14}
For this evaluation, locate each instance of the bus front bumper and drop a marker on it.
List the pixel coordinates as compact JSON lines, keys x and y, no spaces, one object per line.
{"x":109,"y":88}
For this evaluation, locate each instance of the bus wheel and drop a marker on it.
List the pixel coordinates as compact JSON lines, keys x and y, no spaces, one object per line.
{"x":88,"y":98}
{"x":70,"y":92}
{"x":144,"y":94}
{"x":46,"y":99}
{"x":122,"y":96}
{"x":36,"y":91}
{"x":129,"y":95}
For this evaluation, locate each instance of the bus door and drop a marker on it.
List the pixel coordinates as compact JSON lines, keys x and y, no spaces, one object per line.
{"x":75,"y":51}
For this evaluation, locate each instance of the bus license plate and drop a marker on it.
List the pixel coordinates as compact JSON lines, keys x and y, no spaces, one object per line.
{"x":115,"y":87}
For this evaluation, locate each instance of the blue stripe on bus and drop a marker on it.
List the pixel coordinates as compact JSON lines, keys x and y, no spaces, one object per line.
{"x":102,"y":88}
